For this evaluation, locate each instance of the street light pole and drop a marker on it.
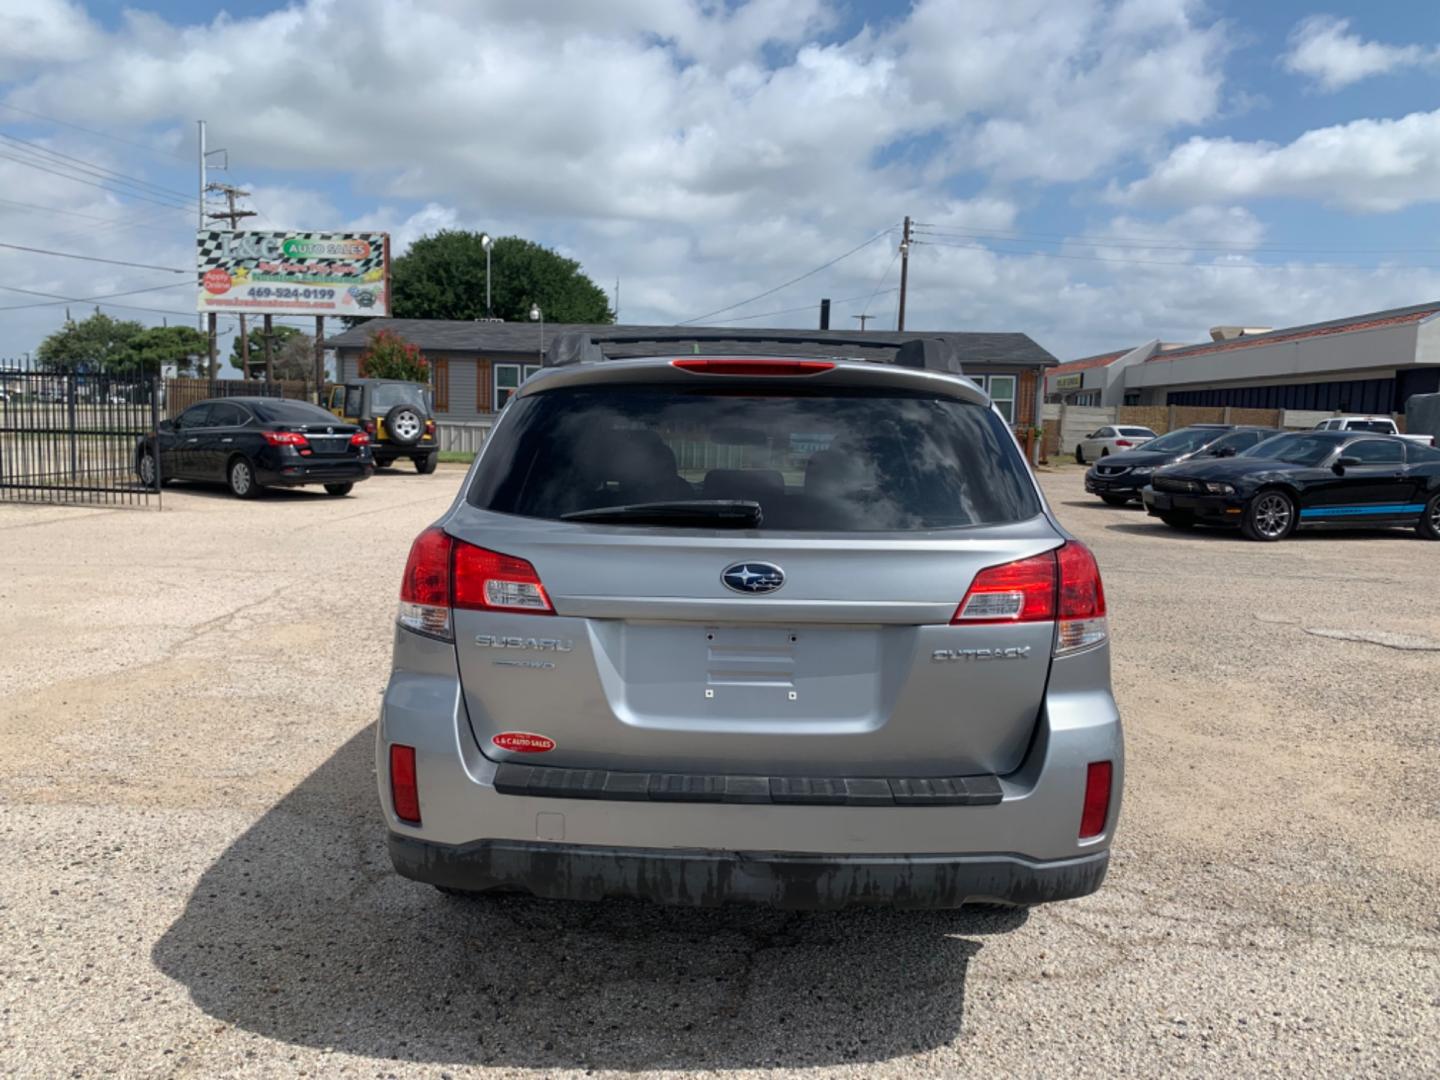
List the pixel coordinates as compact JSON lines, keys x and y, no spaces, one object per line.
{"x":487,"y":244}
{"x":537,"y":315}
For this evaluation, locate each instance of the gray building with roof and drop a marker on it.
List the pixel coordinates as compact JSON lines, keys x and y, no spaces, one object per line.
{"x":1368,"y":363}
{"x":477,"y":365}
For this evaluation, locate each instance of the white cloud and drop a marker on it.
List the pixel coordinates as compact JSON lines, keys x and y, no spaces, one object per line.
{"x":1368,"y":165}
{"x":1325,"y":49}
{"x":33,"y":32}
{"x":704,"y":152}
{"x":1057,"y":92}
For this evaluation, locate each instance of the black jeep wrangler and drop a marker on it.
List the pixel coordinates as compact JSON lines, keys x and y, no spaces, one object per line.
{"x":398,"y":415}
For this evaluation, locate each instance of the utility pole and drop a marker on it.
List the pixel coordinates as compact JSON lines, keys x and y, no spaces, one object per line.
{"x":233,"y":216}
{"x":863,"y":320}
{"x":904,"y":274}
{"x":200,"y":202}
{"x":617,"y":298}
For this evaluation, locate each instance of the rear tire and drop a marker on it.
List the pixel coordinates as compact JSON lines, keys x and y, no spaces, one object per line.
{"x":426,"y":465}
{"x":384,"y":462}
{"x":146,"y":468}
{"x":1182,"y":521}
{"x":1269,"y":516}
{"x":1079,"y":456}
{"x":1429,"y":526}
{"x":339,"y":489}
{"x":1115,"y":500}
{"x":240,"y":475}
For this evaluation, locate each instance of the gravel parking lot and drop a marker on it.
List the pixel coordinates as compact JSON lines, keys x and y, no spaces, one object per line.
{"x":194,"y":880}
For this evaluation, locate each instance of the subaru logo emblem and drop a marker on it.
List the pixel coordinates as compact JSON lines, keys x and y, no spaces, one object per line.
{"x":753,"y":577}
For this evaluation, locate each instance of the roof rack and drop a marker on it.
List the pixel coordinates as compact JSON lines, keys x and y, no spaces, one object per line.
{"x":921,"y":353}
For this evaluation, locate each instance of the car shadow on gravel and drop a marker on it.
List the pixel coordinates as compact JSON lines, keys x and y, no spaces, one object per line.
{"x":301,"y":932}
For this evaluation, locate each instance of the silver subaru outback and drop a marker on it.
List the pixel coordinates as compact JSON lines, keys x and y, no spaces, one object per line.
{"x":796,"y":632}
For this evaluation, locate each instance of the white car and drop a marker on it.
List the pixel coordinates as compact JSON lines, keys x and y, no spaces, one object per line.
{"x":1381,"y":425}
{"x":1109,"y":440}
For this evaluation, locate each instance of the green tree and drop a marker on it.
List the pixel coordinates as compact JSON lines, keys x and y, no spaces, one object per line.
{"x":443,"y":277}
{"x":280,"y":336}
{"x":389,"y":356}
{"x":152,"y":350}
{"x":98,"y":343}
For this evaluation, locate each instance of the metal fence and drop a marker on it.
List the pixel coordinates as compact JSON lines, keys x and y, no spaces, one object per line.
{"x":68,"y":438}
{"x":179,"y":394}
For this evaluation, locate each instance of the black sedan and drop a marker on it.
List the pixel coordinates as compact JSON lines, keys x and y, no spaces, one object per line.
{"x":1118,"y":478}
{"x":1314,"y":478}
{"x":251,"y":443}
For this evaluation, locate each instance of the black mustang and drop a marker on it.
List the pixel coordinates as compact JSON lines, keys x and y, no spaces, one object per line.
{"x":251,"y":443}
{"x":1314,"y":478}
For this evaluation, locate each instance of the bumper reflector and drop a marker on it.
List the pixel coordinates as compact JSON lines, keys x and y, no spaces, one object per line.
{"x":1097,"y":799}
{"x":404,"y":788}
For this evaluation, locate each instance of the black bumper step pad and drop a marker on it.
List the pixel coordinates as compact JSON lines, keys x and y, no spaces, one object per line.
{"x":553,"y":782}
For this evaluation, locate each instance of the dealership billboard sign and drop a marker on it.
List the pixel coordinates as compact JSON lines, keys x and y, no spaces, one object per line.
{"x":293,"y":273}
{"x":1060,"y":383}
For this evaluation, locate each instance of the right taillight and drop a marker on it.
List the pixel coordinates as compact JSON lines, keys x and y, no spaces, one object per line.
{"x":1082,"y":600}
{"x":443,"y":573}
{"x":1062,"y":586}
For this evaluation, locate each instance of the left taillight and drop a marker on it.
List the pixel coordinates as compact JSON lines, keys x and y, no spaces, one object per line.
{"x":443,"y":573}
{"x":1062,"y":586}
{"x":425,"y":588}
{"x":404,"y":784}
{"x":285,"y":438}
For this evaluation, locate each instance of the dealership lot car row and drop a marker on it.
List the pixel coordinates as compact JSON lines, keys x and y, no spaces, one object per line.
{"x":1268,"y":483}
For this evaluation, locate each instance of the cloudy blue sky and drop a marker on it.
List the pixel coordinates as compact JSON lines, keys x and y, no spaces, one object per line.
{"x":1093,"y":172}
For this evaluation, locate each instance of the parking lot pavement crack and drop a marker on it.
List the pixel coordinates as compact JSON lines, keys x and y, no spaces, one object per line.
{"x":1383,"y":638}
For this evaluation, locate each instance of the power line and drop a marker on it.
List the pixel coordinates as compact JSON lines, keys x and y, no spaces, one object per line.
{"x":864,"y":312}
{"x":91,"y":131}
{"x":58,"y":299}
{"x":805,"y":307}
{"x":1192,"y":265}
{"x":809,"y":273}
{"x":94,"y":258}
{"x":92,"y":183}
{"x":120,"y":184}
{"x":1236,"y":246}
{"x":40,"y":148}
{"x":103,"y":224}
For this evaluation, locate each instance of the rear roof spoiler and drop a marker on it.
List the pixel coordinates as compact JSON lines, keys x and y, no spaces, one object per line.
{"x":922,"y":353}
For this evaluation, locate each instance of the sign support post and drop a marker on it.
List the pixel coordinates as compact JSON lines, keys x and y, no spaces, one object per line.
{"x":269,"y":366}
{"x":320,"y":360}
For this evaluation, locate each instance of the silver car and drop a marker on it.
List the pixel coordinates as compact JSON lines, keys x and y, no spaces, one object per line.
{"x":1102,"y":442}
{"x":787,"y":631}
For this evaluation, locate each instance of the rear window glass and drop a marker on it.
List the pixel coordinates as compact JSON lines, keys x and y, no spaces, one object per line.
{"x":832,"y":461}
{"x":291,"y":412}
{"x":1382,"y":427}
{"x":386,"y":396}
{"x":1137,"y":432}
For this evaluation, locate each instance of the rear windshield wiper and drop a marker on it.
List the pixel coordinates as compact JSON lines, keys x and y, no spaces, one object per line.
{"x":715,"y":513}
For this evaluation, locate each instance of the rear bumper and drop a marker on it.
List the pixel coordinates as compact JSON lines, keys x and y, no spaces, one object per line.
{"x":710,"y":878}
{"x":1022,"y":847}
{"x":305,"y":472}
